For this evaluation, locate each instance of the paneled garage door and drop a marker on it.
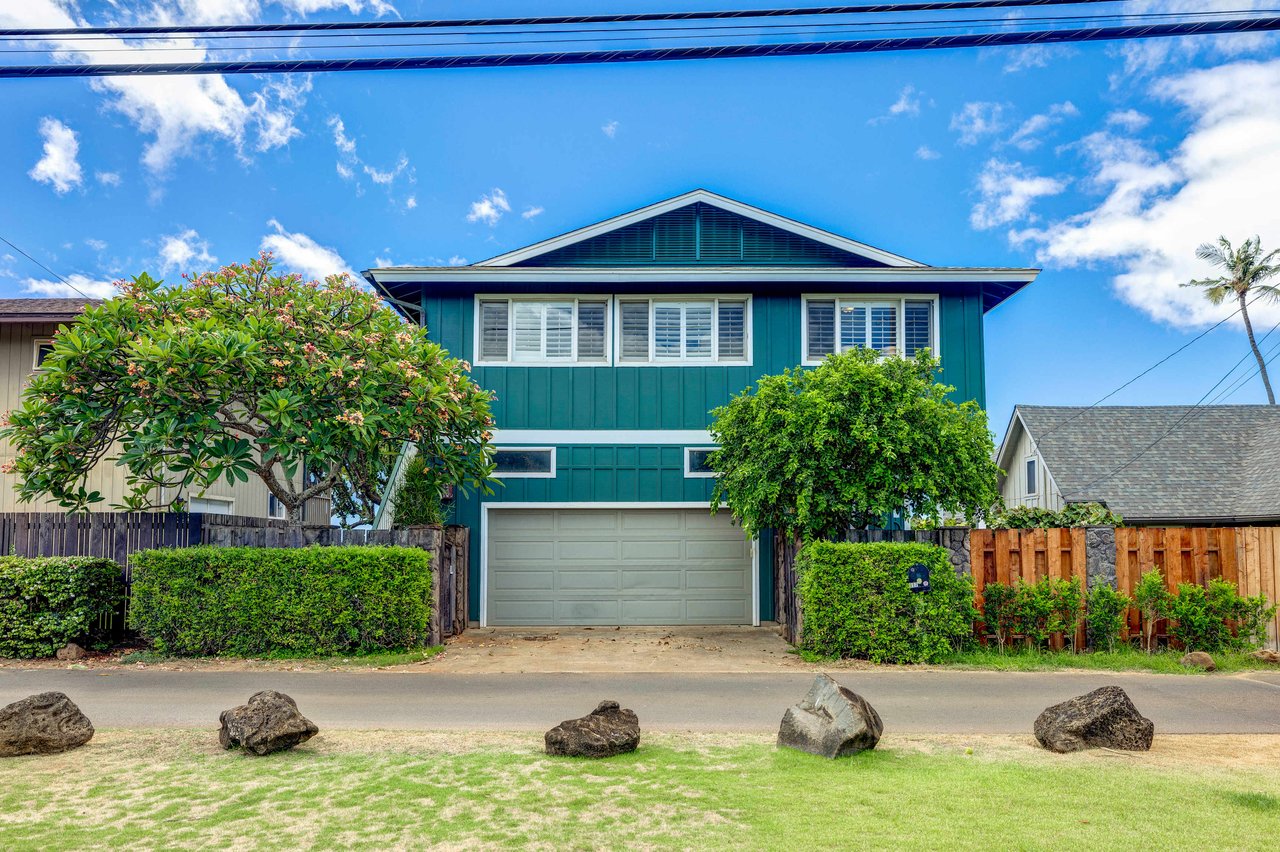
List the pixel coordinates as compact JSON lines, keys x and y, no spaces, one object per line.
{"x":616,"y":566}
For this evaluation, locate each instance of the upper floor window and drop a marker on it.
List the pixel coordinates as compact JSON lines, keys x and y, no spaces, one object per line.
{"x":1032,"y":479}
{"x":891,"y":326}
{"x":543,"y":330}
{"x":668,"y":330}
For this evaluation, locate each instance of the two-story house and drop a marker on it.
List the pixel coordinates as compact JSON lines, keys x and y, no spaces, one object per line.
{"x":608,"y":346}
{"x":27,"y":327}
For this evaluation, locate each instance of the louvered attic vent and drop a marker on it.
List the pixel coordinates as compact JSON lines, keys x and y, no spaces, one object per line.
{"x":699,"y":234}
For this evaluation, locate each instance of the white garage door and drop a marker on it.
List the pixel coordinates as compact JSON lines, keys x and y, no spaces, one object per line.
{"x":616,"y":566}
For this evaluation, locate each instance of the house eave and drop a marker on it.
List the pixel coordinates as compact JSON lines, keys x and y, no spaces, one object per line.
{"x":711,"y":274}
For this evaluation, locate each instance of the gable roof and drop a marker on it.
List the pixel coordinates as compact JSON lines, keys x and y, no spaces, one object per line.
{"x":700,"y":196}
{"x":43,"y":310}
{"x":1180,"y":464}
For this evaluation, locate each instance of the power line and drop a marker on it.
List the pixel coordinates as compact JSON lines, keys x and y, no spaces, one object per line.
{"x":740,"y":51}
{"x":538,"y":20}
{"x":646,"y":33}
{"x":45,"y":268}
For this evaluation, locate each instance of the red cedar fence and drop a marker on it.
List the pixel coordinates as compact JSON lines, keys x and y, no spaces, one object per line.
{"x":1246,"y":556}
{"x":118,"y":535}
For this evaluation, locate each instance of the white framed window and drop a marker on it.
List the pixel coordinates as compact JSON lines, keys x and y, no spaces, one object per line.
{"x":211,"y":505}
{"x":891,"y":325}
{"x":695,"y":462}
{"x":683,"y":330}
{"x":42,"y":347}
{"x":1032,"y":477}
{"x":524,"y":462}
{"x":548,"y":330}
{"x":276,"y":509}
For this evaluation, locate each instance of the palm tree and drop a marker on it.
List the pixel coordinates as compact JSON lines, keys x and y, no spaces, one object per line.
{"x":1247,"y":270}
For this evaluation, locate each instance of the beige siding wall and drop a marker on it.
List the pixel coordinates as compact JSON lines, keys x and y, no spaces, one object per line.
{"x":1014,"y":487}
{"x":17,"y":362}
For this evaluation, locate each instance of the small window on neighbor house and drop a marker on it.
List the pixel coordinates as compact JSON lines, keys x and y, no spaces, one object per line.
{"x":1031,"y":476}
{"x":43,"y":349}
{"x":210,"y":505}
{"x":696,"y":461}
{"x":525,"y":462}
{"x":275,"y":509}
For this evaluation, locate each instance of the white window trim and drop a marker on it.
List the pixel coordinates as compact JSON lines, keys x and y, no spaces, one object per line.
{"x":689,"y":472}
{"x":35,"y":352}
{"x":1031,"y":489}
{"x":572,"y":361}
{"x":230,"y":501}
{"x":898,"y":299}
{"x":528,"y":474}
{"x":714,"y":360}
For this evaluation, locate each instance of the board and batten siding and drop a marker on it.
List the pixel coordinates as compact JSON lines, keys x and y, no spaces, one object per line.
{"x":17,"y":362}
{"x":1013,"y":485}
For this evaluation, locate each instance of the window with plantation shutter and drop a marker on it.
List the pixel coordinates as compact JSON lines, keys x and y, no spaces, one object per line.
{"x":691,"y":330}
{"x":543,"y":331}
{"x":634,"y":319}
{"x":890,"y":326}
{"x":731,"y":330}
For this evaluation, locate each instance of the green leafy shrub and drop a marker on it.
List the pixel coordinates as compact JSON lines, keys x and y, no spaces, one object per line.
{"x":47,"y":602}
{"x":1068,"y":606}
{"x":1035,"y":606}
{"x":1000,"y":612}
{"x":1105,"y":610}
{"x":1072,"y":515}
{"x":417,"y":500}
{"x":1034,"y":611}
{"x":248,"y":601}
{"x":1204,"y":618}
{"x":856,"y":602}
{"x":1151,"y":597}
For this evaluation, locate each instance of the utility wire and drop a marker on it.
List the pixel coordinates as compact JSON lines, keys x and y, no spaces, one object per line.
{"x":739,"y":51}
{"x":45,"y":268}
{"x":646,"y":33}
{"x":538,"y":20}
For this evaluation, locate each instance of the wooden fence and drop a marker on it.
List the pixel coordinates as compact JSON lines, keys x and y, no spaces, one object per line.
{"x":119,"y":535}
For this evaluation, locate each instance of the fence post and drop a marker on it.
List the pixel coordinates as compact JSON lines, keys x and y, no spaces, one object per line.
{"x":955,"y":540}
{"x":1100,"y":556}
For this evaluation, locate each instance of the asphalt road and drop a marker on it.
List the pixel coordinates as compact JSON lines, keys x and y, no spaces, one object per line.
{"x":909,"y":702}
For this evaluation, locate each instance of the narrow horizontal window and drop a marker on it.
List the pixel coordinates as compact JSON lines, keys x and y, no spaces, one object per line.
{"x":527,"y":462}
{"x":697,"y":461}
{"x":543,"y":331}
{"x":210,"y":505}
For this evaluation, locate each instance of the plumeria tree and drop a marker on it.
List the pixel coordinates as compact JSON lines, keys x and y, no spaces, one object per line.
{"x":309,"y":386}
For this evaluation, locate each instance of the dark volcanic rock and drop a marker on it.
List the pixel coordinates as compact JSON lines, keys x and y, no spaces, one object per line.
{"x":605,"y":731}
{"x":1199,"y":660}
{"x":269,"y":722}
{"x":830,"y":721}
{"x":70,"y":652}
{"x":1105,"y":718}
{"x":43,"y":724}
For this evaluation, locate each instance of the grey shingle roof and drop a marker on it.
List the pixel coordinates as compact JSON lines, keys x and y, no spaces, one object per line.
{"x":42,"y":310}
{"x":1216,"y":463}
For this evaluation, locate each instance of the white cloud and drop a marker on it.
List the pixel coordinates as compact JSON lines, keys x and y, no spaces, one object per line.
{"x":1031,"y":132}
{"x":75,"y":285}
{"x":59,"y":166}
{"x":350,"y":165}
{"x":924,"y":152}
{"x":383,"y":261}
{"x":531,"y":212}
{"x":908,"y":103}
{"x":179,"y":252}
{"x":489,"y":208}
{"x":1221,"y":179}
{"x":610,"y":129}
{"x":388,"y":177}
{"x":457,"y":260}
{"x":411,"y":202}
{"x":1035,"y":56}
{"x":1128,"y":119}
{"x":299,"y":253}
{"x":96,"y":245}
{"x":1008,"y":190}
{"x":1151,"y":56}
{"x":240,"y":11}
{"x":977,"y":119}
{"x":107,"y":178}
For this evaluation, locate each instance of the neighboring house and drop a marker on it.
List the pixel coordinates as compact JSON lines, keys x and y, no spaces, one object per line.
{"x":27,"y":327}
{"x":1154,"y":465}
{"x":608,"y":346}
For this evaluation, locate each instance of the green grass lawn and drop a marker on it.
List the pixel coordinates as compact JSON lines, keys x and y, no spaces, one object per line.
{"x":176,"y":789}
{"x":374,"y":659}
{"x":1121,"y":660}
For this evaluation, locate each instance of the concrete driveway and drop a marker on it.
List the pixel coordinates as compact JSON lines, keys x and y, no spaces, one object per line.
{"x":493,"y":650}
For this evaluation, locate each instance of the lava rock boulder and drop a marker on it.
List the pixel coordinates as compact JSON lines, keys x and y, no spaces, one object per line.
{"x":47,"y":723}
{"x":608,"y":730}
{"x":267,"y":723}
{"x":1199,"y":660}
{"x":71,"y":652}
{"x":830,"y":721}
{"x":1104,"y":718}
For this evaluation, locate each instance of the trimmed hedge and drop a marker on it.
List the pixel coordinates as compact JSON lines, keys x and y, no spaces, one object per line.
{"x":252,"y":601}
{"x":49,"y":601}
{"x":856,"y":602}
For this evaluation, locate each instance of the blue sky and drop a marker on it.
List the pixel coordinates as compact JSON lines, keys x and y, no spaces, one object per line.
{"x":1105,"y":164}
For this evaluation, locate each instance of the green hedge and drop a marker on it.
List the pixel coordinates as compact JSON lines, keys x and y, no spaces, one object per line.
{"x":50,"y":601}
{"x":856,"y":603}
{"x":250,"y":601}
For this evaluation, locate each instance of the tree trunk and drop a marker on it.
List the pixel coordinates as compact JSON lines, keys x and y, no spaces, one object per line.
{"x":1253,"y":344}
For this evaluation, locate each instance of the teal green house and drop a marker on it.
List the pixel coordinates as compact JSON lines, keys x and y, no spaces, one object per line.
{"x":608,"y":346}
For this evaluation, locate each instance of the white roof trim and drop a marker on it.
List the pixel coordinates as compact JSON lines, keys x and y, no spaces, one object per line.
{"x":707,"y":275}
{"x":842,"y":243}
